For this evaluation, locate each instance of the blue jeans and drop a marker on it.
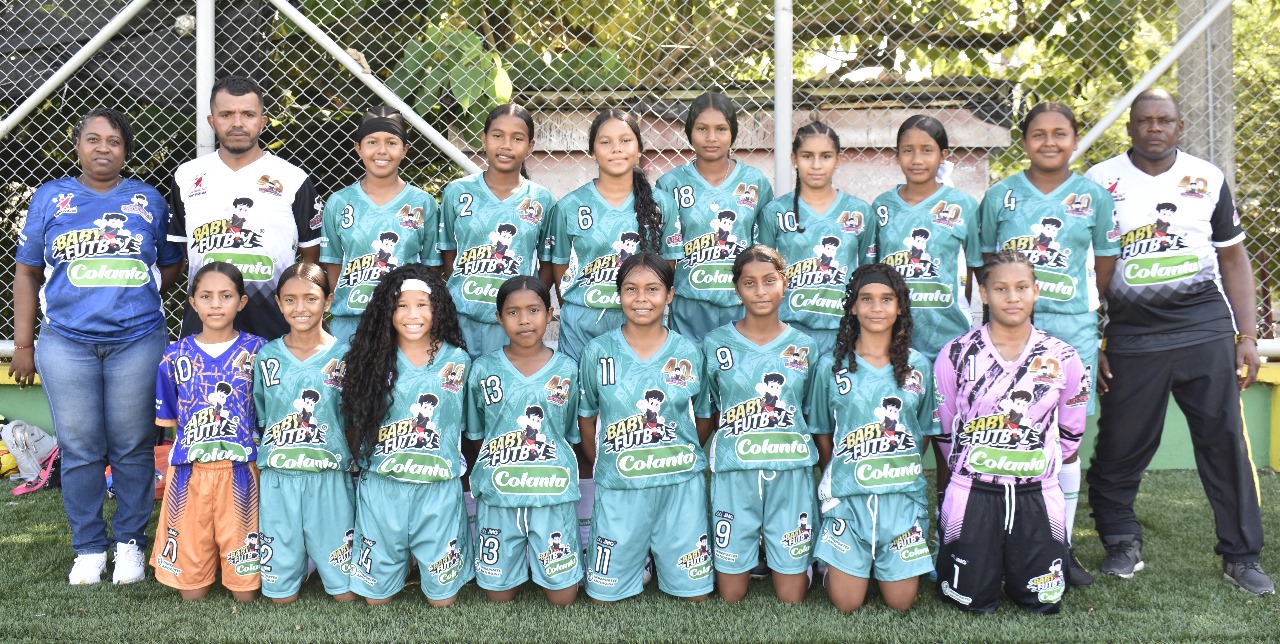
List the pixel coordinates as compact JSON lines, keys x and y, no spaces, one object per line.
{"x":102,"y":399}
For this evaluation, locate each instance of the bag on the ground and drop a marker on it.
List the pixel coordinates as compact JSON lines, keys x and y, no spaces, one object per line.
{"x":8,"y":464}
{"x":29,"y":446}
{"x":50,"y":475}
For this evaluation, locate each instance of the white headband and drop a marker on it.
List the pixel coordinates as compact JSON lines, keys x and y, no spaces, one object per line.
{"x":414,"y":284}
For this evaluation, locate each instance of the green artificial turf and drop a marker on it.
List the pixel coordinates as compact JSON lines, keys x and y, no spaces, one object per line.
{"x":1180,"y":596}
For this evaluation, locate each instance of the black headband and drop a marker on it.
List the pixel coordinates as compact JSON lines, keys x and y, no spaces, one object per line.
{"x":873,"y":278}
{"x":384,"y":120}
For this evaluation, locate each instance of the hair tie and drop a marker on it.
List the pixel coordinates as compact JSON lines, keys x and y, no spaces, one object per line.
{"x":415,"y":284}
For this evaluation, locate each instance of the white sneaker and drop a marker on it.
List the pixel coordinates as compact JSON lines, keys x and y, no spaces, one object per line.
{"x":88,"y":569}
{"x":130,"y":567}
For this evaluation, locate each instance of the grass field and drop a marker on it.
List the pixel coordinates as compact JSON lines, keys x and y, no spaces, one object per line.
{"x":1180,"y":596}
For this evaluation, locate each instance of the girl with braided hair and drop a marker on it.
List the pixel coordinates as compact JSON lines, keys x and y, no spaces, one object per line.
{"x":822,"y":233}
{"x":870,"y":412}
{"x":409,"y":500}
{"x":598,"y":226}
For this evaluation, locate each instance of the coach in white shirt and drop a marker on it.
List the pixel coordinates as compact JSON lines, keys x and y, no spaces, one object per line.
{"x":1181,"y":319}
{"x":244,"y":205}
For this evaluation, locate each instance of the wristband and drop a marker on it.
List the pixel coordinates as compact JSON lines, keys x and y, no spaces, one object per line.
{"x":1240,"y":337}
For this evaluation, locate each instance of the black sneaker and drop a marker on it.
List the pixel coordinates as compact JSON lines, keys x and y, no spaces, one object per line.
{"x":1249,"y":577}
{"x":1077,"y":574}
{"x":1124,"y":555}
{"x":761,"y":571}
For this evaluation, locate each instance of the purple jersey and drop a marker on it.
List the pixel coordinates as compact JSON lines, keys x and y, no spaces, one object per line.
{"x":209,"y":401}
{"x":1010,"y":421}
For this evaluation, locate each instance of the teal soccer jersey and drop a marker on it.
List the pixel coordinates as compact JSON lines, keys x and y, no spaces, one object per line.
{"x":878,"y":427}
{"x":496,"y":239}
{"x":716,"y":223}
{"x":420,"y":440}
{"x":367,"y":240}
{"x":527,"y":424}
{"x":646,"y":436}
{"x":1054,"y":231}
{"x":820,"y":257}
{"x":593,"y":238}
{"x":298,"y":406}
{"x":923,"y":242}
{"x":761,"y":393}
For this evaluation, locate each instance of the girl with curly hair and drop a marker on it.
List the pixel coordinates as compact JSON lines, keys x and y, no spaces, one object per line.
{"x":870,"y":413}
{"x":403,"y":402}
{"x":601,"y":224}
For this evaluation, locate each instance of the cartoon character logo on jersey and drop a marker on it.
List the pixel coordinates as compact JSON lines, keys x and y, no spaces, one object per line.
{"x":767,"y":411}
{"x":800,"y":540}
{"x":1050,"y":586}
{"x":1155,"y":237}
{"x":1042,"y":248}
{"x":232,"y":232}
{"x":1197,"y":187}
{"x":851,"y":221}
{"x":1010,"y":428}
{"x":559,"y":390}
{"x":1045,"y":370}
{"x":747,"y":194}
{"x":242,"y":366}
{"x":530,"y":210}
{"x":603,"y":270}
{"x":416,"y":432}
{"x":502,"y":238}
{"x":109,"y":238}
{"x":334,"y":371}
{"x":821,"y":269}
{"x":558,"y":558}
{"x":885,"y":435}
{"x":678,"y":372}
{"x":910,"y":545}
{"x":371,"y":267}
{"x":453,"y":375}
{"x":410,"y":217}
{"x":446,"y":568}
{"x":1079,"y":205}
{"x":648,"y":427}
{"x":698,"y":561}
{"x":915,"y":262}
{"x":62,"y":204}
{"x":527,"y":444}
{"x":138,"y":206}
{"x":796,"y":358}
{"x":947,"y":214}
{"x":300,"y":427}
{"x":1081,"y":396}
{"x":718,"y":245}
{"x":914,"y":383}
{"x":245,"y":558}
{"x":214,"y":422}
{"x":273,"y":187}
{"x":341,"y":558}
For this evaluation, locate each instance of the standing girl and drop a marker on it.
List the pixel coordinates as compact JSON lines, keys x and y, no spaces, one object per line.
{"x":872,"y":407}
{"x":492,"y":225}
{"x":599,"y":226}
{"x":820,"y":231}
{"x":717,"y":200}
{"x":403,"y":406}
{"x":307,"y":502}
{"x":1053,"y":215}
{"x":376,"y":224}
{"x":522,"y":400}
{"x":1012,"y":409}
{"x":204,"y":390}
{"x":920,"y":230}
{"x":761,"y":454}
{"x":640,"y":381}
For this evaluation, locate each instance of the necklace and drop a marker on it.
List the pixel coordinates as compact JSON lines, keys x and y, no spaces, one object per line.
{"x":119,"y":179}
{"x":728,"y":170}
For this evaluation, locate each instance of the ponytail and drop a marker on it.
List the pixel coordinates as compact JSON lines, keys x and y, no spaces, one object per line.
{"x":648,"y":215}
{"x":812,"y":128}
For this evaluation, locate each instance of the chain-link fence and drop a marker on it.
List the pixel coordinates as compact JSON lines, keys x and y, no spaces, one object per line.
{"x":860,"y":66}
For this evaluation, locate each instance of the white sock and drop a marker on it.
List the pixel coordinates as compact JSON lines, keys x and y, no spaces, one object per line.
{"x":1069,"y":481}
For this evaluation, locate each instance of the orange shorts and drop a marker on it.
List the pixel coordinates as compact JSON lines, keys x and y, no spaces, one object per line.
{"x":209,"y":519}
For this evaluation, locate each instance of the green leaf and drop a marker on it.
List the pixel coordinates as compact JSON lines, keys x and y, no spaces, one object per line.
{"x":466,"y":83}
{"x":408,"y":73}
{"x":433,"y":84}
{"x":501,"y":82}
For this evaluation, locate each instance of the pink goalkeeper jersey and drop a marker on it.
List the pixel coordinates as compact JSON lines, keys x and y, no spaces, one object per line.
{"x":1010,"y":421}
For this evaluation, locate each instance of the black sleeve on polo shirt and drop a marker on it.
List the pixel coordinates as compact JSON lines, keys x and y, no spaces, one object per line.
{"x":307,"y":210}
{"x":1225,"y":223}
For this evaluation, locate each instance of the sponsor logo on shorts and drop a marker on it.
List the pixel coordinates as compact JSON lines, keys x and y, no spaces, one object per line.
{"x":447,"y":568}
{"x":910,"y":545}
{"x":341,"y":558}
{"x":244,"y":560}
{"x":698,"y":561}
{"x":558,"y":558}
{"x":800,"y":540}
{"x":1050,"y":586}
{"x":950,"y":592}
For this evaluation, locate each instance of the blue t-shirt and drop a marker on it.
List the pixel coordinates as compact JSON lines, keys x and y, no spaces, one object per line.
{"x":208,"y":401}
{"x":100,"y":254}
